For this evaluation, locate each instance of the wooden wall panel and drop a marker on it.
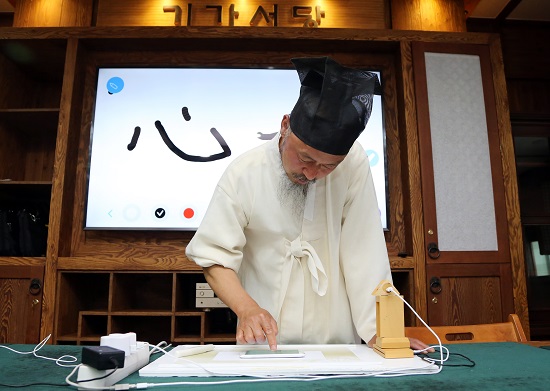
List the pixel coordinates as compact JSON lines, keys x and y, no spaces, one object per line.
{"x":76,"y":13}
{"x":9,"y":169}
{"x":14,"y":90}
{"x":37,"y":14}
{"x":367,"y":14}
{"x":53,"y":13}
{"x":412,"y":179}
{"x":40,"y":148}
{"x":435,"y":15}
{"x":509,"y":176}
{"x":526,"y":55}
{"x":529,"y":97}
{"x":526,"y":50}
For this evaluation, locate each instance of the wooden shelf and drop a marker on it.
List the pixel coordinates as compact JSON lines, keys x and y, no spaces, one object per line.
{"x":31,"y":121}
{"x":530,"y":125}
{"x":125,"y":301}
{"x":219,"y":339}
{"x":26,"y":184}
{"x":23,"y":191}
{"x":30,"y":96}
{"x":533,"y":162}
{"x":147,"y":303}
{"x":22,"y":261}
{"x":67,"y":337}
{"x":141,"y":313}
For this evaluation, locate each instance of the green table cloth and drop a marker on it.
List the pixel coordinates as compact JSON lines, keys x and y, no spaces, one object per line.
{"x":498,"y":366}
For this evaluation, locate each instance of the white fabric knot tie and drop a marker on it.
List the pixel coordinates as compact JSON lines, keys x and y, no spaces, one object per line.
{"x":300,"y":251}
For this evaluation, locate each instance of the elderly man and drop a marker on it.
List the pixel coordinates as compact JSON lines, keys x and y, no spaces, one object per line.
{"x":292,"y":239}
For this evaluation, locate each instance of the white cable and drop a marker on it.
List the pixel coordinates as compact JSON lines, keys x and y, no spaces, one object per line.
{"x":157,"y":348}
{"x":440,"y":345}
{"x":434,"y":360}
{"x":62,"y":361}
{"x":84,"y":386}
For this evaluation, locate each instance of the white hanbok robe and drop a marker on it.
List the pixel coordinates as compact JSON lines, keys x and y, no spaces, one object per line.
{"x":314,"y":275}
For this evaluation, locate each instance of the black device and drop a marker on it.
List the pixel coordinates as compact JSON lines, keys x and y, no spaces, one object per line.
{"x":103,"y":357}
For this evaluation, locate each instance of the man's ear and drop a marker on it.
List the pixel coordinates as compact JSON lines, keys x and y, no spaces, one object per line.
{"x":285,"y":124}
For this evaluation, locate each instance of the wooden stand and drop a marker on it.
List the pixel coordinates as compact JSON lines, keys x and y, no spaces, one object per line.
{"x":390,"y":323}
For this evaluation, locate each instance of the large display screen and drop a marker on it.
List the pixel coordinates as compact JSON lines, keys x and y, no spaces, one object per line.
{"x":162,"y":137}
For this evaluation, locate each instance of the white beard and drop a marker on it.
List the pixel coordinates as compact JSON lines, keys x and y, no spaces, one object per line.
{"x":291,"y":195}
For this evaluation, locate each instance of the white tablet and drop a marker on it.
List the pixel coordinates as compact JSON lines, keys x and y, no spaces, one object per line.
{"x":266,"y":353}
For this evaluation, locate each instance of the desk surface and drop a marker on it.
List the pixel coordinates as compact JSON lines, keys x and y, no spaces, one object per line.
{"x":499,"y":366}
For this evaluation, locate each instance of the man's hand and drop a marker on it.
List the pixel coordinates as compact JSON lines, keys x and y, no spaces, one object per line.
{"x":256,"y":325}
{"x":419,"y":345}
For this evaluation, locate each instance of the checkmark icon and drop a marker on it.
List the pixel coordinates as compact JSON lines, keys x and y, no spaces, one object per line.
{"x":160,"y":213}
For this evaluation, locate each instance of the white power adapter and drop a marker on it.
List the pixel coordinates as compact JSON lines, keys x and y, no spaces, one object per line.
{"x":123,"y":342}
{"x":137,"y":357}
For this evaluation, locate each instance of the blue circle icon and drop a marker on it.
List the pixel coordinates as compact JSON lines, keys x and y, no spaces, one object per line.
{"x":115,"y":85}
{"x":373,"y":157}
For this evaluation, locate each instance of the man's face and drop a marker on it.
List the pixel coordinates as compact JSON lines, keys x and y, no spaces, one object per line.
{"x":302,"y":163}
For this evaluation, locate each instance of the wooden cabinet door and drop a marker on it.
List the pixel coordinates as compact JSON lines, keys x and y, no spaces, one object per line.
{"x":469,"y":293}
{"x":20,"y":303}
{"x":463,"y":191}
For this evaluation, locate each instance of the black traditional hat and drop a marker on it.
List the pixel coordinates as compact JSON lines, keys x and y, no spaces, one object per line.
{"x":334,"y":106}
